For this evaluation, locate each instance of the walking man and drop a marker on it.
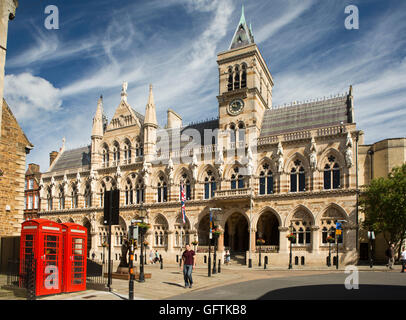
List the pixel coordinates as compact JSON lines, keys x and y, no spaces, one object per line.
{"x":189,"y":263}
{"x":403,"y":259}
{"x":390,"y":254}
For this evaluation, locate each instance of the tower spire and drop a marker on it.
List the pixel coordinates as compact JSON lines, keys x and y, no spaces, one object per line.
{"x":97,"y":128}
{"x":243,"y":34}
{"x":150,"y":112}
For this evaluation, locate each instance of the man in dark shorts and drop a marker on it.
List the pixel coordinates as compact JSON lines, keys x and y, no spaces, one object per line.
{"x":189,"y":263}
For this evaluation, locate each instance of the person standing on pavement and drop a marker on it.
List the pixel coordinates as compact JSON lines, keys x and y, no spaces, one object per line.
{"x":390,"y":254}
{"x":189,"y":263}
{"x":403,"y":259}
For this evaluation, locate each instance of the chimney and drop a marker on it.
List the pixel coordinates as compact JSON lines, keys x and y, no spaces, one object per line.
{"x":34,"y":167}
{"x":52,"y":156}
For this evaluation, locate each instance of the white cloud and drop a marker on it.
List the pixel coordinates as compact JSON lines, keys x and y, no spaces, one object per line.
{"x":28,"y":95}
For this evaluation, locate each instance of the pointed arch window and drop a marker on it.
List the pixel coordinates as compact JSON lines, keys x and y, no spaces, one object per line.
{"x":297,"y":177}
{"x":332,"y":175}
{"x":265,"y":180}
{"x":88,"y":196}
{"x":244,"y":76}
{"x":188,"y":188}
{"x":241,"y":133}
{"x":61,"y":199}
{"x":237,"y":180}
{"x":162,"y":195}
{"x":106,"y":156}
{"x":128,"y":193}
{"x":230,"y":79}
{"x":232,"y":133}
{"x":75,"y":197}
{"x":140,"y":190}
{"x":127,"y":152}
{"x":209,"y":185}
{"x":237,"y":78}
{"x":49,"y":199}
{"x":116,"y":154}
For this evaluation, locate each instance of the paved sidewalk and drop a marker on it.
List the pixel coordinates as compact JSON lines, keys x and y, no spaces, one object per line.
{"x":169,"y":282}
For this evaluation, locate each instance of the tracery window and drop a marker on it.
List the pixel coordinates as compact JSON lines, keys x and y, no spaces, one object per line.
{"x":297,"y":177}
{"x":265,"y":180}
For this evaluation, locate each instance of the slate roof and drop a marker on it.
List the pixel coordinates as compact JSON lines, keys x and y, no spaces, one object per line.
{"x":305,"y":116}
{"x":75,"y":158}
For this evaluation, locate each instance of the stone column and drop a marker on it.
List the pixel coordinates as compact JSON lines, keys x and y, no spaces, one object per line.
{"x":315,"y":239}
{"x":170,"y":240}
{"x":283,"y":241}
{"x":221,"y":240}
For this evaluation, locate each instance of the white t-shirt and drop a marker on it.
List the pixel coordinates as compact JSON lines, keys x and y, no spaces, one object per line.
{"x":403,"y":255}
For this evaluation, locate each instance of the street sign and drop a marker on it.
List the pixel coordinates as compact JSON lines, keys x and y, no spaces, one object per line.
{"x":338,"y":232}
{"x":133,"y":233}
{"x":338,"y":226}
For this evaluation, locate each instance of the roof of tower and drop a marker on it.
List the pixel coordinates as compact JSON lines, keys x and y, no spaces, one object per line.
{"x":243,"y":34}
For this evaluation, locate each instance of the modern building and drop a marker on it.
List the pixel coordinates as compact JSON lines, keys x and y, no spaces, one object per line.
{"x":272,"y":170}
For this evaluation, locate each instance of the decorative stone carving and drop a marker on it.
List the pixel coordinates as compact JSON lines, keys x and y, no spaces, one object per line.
{"x":194,"y":165}
{"x":118,"y":176}
{"x":250,"y":164}
{"x":170,"y":169}
{"x":279,"y":156}
{"x":219,"y":164}
{"x":146,"y":171}
{"x":348,"y":151}
{"x":313,"y":155}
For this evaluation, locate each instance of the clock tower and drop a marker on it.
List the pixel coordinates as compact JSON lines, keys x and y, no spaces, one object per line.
{"x":245,"y":86}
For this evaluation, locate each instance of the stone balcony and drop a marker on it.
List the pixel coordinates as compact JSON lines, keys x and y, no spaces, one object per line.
{"x":232,"y":193}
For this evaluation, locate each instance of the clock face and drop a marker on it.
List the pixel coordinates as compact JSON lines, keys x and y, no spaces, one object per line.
{"x":235,"y":107}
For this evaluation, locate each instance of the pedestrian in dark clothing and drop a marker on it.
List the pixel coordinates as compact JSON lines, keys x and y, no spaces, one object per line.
{"x":390,"y":254}
{"x":189,"y":263}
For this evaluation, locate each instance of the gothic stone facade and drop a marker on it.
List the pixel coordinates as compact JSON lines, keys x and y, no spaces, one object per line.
{"x":271,"y":170}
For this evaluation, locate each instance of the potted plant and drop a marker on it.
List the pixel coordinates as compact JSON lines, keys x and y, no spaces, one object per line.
{"x":330,"y":239}
{"x":291,"y":237}
{"x":216,"y":232}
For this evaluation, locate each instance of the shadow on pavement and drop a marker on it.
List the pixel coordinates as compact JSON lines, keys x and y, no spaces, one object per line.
{"x":173,"y":284}
{"x":336,"y":291}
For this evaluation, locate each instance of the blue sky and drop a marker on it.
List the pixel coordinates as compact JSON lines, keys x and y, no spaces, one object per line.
{"x":54,"y":77}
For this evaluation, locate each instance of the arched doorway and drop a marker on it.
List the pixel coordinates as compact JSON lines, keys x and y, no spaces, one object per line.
{"x":236,"y":236}
{"x":268,"y":229}
{"x":203,"y":231}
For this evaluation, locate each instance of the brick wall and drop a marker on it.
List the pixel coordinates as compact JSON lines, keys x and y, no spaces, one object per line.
{"x":13,"y":145}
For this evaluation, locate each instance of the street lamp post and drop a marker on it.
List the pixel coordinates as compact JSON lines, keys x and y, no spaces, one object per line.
{"x":250,"y":230}
{"x":211,"y":217}
{"x":142,"y":233}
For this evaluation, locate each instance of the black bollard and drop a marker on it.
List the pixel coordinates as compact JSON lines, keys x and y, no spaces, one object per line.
{"x":162,"y":261}
{"x":219,"y":269}
{"x":177,"y":258}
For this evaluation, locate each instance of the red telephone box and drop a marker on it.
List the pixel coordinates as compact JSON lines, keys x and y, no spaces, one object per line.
{"x":41,"y":239}
{"x":74,"y":257}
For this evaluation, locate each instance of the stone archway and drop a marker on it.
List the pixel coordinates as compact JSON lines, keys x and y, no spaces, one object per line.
{"x":268,"y":229}
{"x":203,"y":230}
{"x":236,"y":236}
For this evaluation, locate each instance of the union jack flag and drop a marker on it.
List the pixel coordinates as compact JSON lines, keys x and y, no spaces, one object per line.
{"x":183,"y":200}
